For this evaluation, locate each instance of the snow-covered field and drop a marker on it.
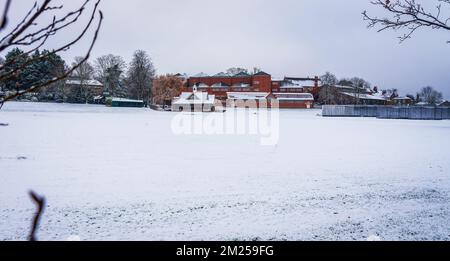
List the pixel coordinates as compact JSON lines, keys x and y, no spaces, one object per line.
{"x":121,"y":174}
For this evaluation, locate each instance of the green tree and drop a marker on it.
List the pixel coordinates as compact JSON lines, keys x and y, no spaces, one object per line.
{"x":15,"y":59}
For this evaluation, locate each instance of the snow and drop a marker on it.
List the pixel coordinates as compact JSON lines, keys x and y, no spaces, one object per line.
{"x":365,"y":96}
{"x":125,"y":100}
{"x":194,"y":98}
{"x":86,"y":82}
{"x":121,"y":174}
{"x":201,"y":75}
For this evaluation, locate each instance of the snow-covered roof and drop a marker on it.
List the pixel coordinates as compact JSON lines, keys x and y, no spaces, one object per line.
{"x":125,"y":100}
{"x":222,"y":74}
{"x":201,"y":75}
{"x":85,"y":82}
{"x":364,"y":96}
{"x":247,"y":95}
{"x":194,"y":98}
{"x":294,"y":96}
{"x":443,"y":103}
{"x":402,"y":98}
{"x":293,"y":84}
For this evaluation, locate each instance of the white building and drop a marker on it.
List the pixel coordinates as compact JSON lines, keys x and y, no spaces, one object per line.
{"x":196,"y":101}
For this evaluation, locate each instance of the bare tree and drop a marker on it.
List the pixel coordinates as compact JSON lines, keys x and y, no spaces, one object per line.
{"x":33,"y":35}
{"x":429,"y":95}
{"x":84,"y":72}
{"x":104,"y":63}
{"x":140,"y":76}
{"x":327,"y":94}
{"x":410,"y":16}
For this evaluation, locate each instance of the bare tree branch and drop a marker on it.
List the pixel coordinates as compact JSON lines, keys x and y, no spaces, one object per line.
{"x":408,"y":15}
{"x":41,"y":36}
{"x":61,"y":77}
{"x":4,"y":19}
{"x":40,"y":203}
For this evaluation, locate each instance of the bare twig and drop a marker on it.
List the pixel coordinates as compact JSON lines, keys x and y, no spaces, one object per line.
{"x":41,"y":36}
{"x":61,"y":77}
{"x":40,"y":203}
{"x":408,"y":15}
{"x":4,"y":19}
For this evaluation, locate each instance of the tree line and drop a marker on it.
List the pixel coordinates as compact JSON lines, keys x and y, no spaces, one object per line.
{"x":330,"y":95}
{"x":132,"y":80}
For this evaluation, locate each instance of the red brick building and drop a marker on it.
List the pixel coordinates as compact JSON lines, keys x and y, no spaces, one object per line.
{"x":291,"y":92}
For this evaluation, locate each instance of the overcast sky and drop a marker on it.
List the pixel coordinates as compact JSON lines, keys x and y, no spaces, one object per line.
{"x":283,"y":37}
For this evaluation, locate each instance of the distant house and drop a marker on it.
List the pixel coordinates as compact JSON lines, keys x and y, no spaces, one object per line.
{"x":295,"y":100}
{"x":363,"y":98}
{"x":196,"y":101}
{"x":444,"y":104}
{"x":402,"y":101}
{"x":94,"y":85}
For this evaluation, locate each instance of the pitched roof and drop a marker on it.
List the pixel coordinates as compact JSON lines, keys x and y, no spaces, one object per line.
{"x":201,"y":75}
{"x":195,"y":98}
{"x":261,"y":73}
{"x":222,"y":74}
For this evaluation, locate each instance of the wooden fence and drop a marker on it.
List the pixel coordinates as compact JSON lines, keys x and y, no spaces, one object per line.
{"x":387,"y":112}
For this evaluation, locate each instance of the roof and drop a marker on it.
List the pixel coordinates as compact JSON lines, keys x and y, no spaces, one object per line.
{"x":222,"y":74}
{"x":201,"y":75}
{"x":297,"y":82}
{"x":300,"y":79}
{"x":444,"y":103}
{"x":194,"y":98}
{"x":364,"y":96}
{"x":402,"y":98}
{"x":247,"y":95}
{"x":125,"y":100}
{"x":85,"y":82}
{"x":261,"y":73}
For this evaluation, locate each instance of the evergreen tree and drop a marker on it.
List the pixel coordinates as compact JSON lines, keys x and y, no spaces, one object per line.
{"x":36,"y":72}
{"x":15,"y":59}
